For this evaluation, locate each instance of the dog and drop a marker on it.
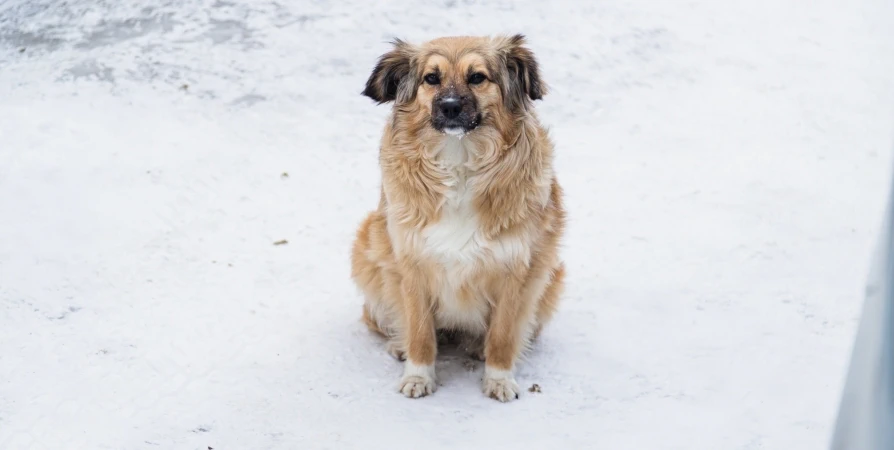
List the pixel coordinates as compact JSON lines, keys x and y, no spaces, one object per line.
{"x":467,"y":231}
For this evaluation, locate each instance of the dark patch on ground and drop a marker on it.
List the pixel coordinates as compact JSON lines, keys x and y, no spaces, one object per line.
{"x":248,"y":100}
{"x":90,"y":69}
{"x":65,"y":314}
{"x":43,"y":39}
{"x":115,"y":31}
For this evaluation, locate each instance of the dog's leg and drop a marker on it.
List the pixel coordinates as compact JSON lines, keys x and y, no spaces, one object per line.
{"x":473,"y":345}
{"x":549,"y":302}
{"x":421,"y":343}
{"x":512,"y":322}
{"x":381,"y":288}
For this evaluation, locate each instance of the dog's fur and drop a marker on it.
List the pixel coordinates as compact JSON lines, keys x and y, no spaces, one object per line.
{"x":466,"y":235}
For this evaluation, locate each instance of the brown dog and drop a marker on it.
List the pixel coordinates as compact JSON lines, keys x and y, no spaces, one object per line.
{"x":466,"y":234}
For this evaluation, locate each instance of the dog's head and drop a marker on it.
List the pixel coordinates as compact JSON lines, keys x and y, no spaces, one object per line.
{"x":458,"y":84}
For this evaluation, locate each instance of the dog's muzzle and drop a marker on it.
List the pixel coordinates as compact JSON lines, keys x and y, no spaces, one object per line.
{"x":455,"y":112}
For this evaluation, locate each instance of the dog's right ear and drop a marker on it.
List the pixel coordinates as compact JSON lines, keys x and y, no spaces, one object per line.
{"x":391,"y":78}
{"x":522,"y":83}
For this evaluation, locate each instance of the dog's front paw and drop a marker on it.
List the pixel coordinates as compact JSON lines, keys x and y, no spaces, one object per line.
{"x":418,"y":380}
{"x":500,"y":385}
{"x":415,"y":386}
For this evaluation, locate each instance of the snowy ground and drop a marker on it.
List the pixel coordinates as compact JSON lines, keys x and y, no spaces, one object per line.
{"x":726,"y":165}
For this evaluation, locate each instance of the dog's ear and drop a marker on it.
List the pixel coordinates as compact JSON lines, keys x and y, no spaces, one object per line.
{"x":392,"y":78}
{"x":523,"y":82}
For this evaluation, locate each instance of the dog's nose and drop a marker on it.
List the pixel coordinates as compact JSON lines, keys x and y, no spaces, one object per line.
{"x":450,"y":107}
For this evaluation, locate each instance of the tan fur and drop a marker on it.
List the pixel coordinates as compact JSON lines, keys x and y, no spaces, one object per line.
{"x":509,"y":275}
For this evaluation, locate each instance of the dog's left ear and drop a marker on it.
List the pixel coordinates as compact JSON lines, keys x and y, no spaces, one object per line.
{"x":392,"y":77}
{"x":523,"y":83}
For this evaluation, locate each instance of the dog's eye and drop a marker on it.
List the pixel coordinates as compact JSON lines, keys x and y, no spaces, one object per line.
{"x":433,"y":78}
{"x":477,"y":78}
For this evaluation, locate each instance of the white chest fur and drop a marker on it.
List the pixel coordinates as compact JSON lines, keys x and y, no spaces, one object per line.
{"x":455,"y":236}
{"x":459,"y":247}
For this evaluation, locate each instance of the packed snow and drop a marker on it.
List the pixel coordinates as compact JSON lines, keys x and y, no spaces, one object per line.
{"x":180,"y":183}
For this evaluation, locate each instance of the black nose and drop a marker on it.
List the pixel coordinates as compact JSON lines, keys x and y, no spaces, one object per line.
{"x":450,"y":107}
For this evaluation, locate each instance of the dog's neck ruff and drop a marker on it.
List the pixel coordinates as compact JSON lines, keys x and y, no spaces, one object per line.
{"x":453,"y":155}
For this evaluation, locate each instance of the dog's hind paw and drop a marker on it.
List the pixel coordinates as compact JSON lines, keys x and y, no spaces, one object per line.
{"x":396,"y":349}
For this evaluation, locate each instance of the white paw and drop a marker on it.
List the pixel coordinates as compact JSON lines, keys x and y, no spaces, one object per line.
{"x":418,"y":380}
{"x":500,"y":385}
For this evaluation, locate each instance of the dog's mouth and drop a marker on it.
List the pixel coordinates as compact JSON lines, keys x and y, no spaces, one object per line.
{"x":458,"y":126}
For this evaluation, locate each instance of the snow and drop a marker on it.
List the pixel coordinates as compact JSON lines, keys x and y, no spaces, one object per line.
{"x":865,"y":413}
{"x":725,"y":165}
